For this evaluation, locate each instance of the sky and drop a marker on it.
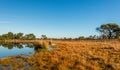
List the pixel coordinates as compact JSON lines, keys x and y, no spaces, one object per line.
{"x":57,"y":18}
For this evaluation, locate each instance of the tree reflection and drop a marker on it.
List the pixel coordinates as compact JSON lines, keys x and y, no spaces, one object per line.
{"x":11,"y":45}
{"x":7,"y":45}
{"x":30,"y":45}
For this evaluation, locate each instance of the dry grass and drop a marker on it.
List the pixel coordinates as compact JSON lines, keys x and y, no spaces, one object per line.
{"x":76,"y":55}
{"x":43,"y":44}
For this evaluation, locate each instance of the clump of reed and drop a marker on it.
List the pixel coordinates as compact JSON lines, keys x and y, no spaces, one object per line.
{"x":43,"y":44}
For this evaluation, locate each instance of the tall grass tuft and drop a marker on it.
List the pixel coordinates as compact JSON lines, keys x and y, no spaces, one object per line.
{"x":43,"y":44}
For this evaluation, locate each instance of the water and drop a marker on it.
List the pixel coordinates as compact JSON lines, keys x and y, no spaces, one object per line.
{"x":27,"y":49}
{"x":14,"y":49}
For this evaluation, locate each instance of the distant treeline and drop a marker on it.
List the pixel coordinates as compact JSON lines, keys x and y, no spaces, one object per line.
{"x":21,"y":36}
{"x":107,"y":31}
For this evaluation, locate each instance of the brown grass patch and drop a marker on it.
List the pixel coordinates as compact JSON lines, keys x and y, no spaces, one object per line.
{"x":78,"y":55}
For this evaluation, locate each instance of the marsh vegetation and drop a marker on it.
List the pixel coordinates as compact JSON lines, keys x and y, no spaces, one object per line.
{"x":72,"y":55}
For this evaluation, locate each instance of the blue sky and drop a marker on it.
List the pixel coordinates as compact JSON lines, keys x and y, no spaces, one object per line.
{"x":57,"y":18}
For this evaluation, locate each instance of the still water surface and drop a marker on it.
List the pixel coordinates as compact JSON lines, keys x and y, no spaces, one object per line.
{"x":14,"y":49}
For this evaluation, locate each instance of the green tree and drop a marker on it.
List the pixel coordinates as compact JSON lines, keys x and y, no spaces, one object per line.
{"x":117,"y":33}
{"x":30,"y":36}
{"x":44,"y":36}
{"x":4,"y":37}
{"x":110,"y":30}
{"x":19,"y":35}
{"x":81,"y":37}
{"x":0,"y":37}
{"x":10,"y":35}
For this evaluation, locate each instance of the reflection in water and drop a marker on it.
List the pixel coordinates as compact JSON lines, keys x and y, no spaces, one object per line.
{"x":13,"y":49}
{"x":11,"y":45}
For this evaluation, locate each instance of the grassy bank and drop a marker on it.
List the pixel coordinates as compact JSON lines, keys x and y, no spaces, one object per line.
{"x":72,"y":55}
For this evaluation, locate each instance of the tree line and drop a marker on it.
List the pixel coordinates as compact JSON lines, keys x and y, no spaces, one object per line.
{"x":106,"y":31}
{"x":21,"y":36}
